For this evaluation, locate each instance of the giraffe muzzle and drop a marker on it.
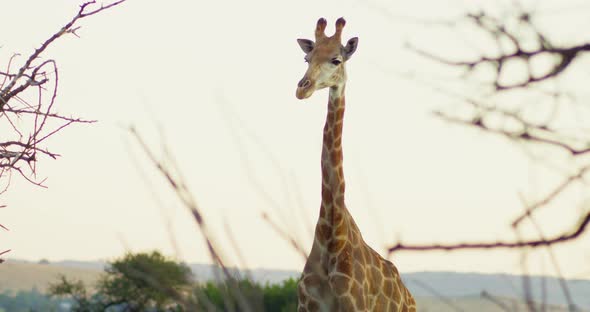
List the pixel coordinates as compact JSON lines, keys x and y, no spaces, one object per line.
{"x":304,"y":88}
{"x":304,"y":83}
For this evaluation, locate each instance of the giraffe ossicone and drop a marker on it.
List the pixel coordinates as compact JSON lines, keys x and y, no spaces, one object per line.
{"x":342,"y":272}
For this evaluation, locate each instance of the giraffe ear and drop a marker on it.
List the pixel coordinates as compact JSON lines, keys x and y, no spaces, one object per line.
{"x":306,"y":45}
{"x":350,"y":47}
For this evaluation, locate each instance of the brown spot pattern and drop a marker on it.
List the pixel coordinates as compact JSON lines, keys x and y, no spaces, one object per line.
{"x":340,"y":284}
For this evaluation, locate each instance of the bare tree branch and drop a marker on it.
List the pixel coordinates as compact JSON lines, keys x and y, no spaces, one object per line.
{"x":550,"y":196}
{"x":27,"y":99}
{"x":499,"y":32}
{"x":560,"y":278}
{"x":563,"y":238}
{"x":527,"y":134}
{"x":514,"y":39}
{"x":30,"y":80}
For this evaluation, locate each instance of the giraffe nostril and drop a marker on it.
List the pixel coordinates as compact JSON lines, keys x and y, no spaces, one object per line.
{"x":304,"y":83}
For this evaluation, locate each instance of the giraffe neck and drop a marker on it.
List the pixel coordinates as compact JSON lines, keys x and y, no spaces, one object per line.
{"x":332,"y":173}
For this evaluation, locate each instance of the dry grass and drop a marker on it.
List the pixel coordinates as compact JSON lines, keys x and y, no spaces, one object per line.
{"x":17,"y":276}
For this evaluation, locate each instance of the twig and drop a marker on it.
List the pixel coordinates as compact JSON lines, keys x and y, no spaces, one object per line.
{"x":566,"y":237}
{"x":498,"y":32}
{"x":179,"y":187}
{"x":51,"y":115}
{"x":560,"y":278}
{"x":549,"y":197}
{"x":4,"y":252}
{"x":285,"y":236}
{"x":6,"y":94}
{"x":525,"y":135}
{"x":34,"y":74}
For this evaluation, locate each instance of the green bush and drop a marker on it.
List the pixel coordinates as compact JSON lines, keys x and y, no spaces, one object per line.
{"x":151,"y":282}
{"x":226,"y":297}
{"x":26,"y":301}
{"x":139,"y":282}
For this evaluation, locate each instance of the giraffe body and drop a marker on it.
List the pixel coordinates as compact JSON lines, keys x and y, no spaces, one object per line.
{"x":342,"y":272}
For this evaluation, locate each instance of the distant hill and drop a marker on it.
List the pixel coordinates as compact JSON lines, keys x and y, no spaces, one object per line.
{"x":205,"y":272}
{"x":461,"y":289}
{"x":453,"y":285}
{"x":202,"y":272}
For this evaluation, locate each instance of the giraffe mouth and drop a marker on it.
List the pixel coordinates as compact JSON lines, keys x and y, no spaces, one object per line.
{"x":303,"y":93}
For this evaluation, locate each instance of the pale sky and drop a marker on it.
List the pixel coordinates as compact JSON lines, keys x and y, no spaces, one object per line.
{"x":219,"y":78}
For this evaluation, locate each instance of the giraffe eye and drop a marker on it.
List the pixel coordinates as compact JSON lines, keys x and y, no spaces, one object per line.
{"x":336,"y":62}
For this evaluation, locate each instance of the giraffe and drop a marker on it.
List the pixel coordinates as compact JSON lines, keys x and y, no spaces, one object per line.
{"x":342,"y":272}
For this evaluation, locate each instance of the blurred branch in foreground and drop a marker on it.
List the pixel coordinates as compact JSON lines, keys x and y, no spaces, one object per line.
{"x":516,"y":38}
{"x":511,"y":47}
{"x":172,"y":174}
{"x":525,"y":76}
{"x":498,"y":244}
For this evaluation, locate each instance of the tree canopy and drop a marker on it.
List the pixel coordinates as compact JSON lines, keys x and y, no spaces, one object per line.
{"x":137,"y":282}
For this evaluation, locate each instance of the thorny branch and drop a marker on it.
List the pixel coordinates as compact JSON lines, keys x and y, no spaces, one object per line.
{"x":22,"y":97}
{"x":27,"y":106}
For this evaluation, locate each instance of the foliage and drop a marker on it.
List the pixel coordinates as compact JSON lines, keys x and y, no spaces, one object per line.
{"x":151,"y":282}
{"x":137,"y":281}
{"x":145,"y":280}
{"x":271,"y":298}
{"x":225,"y":297}
{"x":281,"y":297}
{"x":25,"y":301}
{"x":77,"y":293}
{"x":209,"y":296}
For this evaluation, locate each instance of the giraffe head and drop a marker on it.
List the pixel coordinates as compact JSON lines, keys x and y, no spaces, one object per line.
{"x":325,"y":57}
